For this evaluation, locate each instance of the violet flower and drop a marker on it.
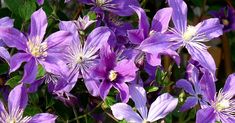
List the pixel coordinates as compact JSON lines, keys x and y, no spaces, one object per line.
{"x":190,"y":37}
{"x":17,"y":102}
{"x":83,"y":23}
{"x":114,"y":73}
{"x":119,"y":7}
{"x":227,"y":18}
{"x":33,"y":49}
{"x":80,"y":58}
{"x":40,"y":2}
{"x":163,"y":105}
{"x":193,"y":86}
{"x":5,"y":22}
{"x":221,"y":105}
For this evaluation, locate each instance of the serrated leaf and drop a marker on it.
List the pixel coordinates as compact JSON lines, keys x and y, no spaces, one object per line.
{"x":14,"y":81}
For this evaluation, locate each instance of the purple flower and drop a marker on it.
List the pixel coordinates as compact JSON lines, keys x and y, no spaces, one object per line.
{"x":227,"y":18}
{"x":5,"y":22}
{"x":163,"y":105}
{"x":80,"y":58}
{"x":119,"y":7}
{"x":33,"y":49}
{"x":17,"y":102}
{"x":114,"y":73}
{"x":221,"y":105}
{"x":194,"y":86}
{"x":40,"y":2}
{"x":190,"y":37}
{"x":83,"y":23}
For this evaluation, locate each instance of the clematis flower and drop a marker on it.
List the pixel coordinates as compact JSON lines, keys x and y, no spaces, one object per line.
{"x":33,"y":49}
{"x":83,"y":23}
{"x":114,"y":73}
{"x":5,"y":22}
{"x":119,"y":7}
{"x":40,"y":2}
{"x":194,"y":86}
{"x":190,"y":37}
{"x":163,"y":105}
{"x":17,"y":102}
{"x":227,"y":18}
{"x":221,"y":105}
{"x":80,"y":58}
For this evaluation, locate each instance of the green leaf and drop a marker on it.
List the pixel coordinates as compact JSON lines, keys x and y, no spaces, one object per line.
{"x":109,"y":101}
{"x":22,"y":8}
{"x":41,"y":71}
{"x":31,"y":110}
{"x":151,"y":89}
{"x":14,"y":81}
{"x":3,"y":68}
{"x":198,"y":2}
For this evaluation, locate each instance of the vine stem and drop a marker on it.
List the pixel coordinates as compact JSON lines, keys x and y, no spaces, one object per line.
{"x":75,"y":114}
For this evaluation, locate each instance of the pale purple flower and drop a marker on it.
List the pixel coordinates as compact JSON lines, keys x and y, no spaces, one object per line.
{"x":162,"y":106}
{"x":190,"y":37}
{"x":40,"y":2}
{"x":119,"y":7}
{"x":82,"y":55}
{"x":33,"y":49}
{"x":114,"y":73}
{"x":17,"y":102}
{"x":83,"y":23}
{"x":5,"y":22}
{"x":221,"y":105}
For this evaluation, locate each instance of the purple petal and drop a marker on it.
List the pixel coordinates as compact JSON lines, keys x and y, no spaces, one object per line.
{"x":30,"y":71}
{"x":40,"y":2}
{"x":136,"y":36}
{"x":17,"y":59}
{"x":206,"y":115}
{"x":104,"y":89}
{"x":58,"y":41}
{"x":229,"y":86}
{"x":69,"y":26}
{"x":153,"y":59}
{"x":143,"y":20}
{"x":211,"y":28}
{"x":200,"y":54}
{"x":138,"y":95}
{"x":6,"y":22}
{"x":96,"y":39}
{"x":17,"y":99}
{"x":2,"y":108}
{"x":123,"y":90}
{"x":163,"y":105}
{"x":127,"y":69}
{"x":123,"y":111}
{"x":207,"y":86}
{"x":108,"y":59}
{"x":186,"y":85}
{"x":189,"y":103}
{"x":43,"y":118}
{"x":91,"y":85}
{"x":179,"y":15}
{"x":13,"y":38}
{"x":38,"y":26}
{"x":34,"y":86}
{"x":161,"y":20}
{"x":4,"y":54}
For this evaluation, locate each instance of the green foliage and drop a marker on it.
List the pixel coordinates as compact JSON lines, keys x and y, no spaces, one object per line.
{"x":14,"y":81}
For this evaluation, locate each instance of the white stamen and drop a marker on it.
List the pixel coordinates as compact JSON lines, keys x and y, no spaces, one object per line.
{"x":37,"y":49}
{"x":190,"y":33}
{"x":112,"y":75}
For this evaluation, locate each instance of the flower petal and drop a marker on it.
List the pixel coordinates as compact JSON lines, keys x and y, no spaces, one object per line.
{"x":40,"y":2}
{"x":104,"y":89}
{"x":179,"y":15}
{"x":186,"y":85}
{"x":123,"y":111}
{"x":13,"y":38}
{"x":161,"y":20}
{"x":92,"y":85}
{"x":143,"y":20}
{"x":123,"y":90}
{"x":138,"y":95}
{"x":4,"y":54}
{"x":136,"y":36}
{"x":211,"y":28}
{"x":17,"y":99}
{"x":30,"y":71}
{"x":189,"y":103}
{"x":38,"y":26}
{"x":229,"y":86}
{"x":6,"y":22}
{"x":206,"y":115}
{"x":17,"y":59}
{"x":163,"y":105}
{"x":2,"y":108}
{"x":43,"y":118}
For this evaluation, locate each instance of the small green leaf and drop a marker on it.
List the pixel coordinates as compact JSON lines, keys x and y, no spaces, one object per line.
{"x":14,"y":81}
{"x":109,"y":101}
{"x":151,"y":89}
{"x":31,"y":110}
{"x":41,"y":71}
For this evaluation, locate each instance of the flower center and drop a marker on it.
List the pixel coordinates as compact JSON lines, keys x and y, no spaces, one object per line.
{"x":225,"y":22}
{"x":224,"y":104}
{"x":112,"y":75}
{"x":100,"y":2}
{"x":190,"y":33}
{"x":37,"y":49}
{"x":145,"y":121}
{"x":152,"y":32}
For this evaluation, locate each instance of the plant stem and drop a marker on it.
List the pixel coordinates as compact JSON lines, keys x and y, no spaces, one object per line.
{"x":75,"y":114}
